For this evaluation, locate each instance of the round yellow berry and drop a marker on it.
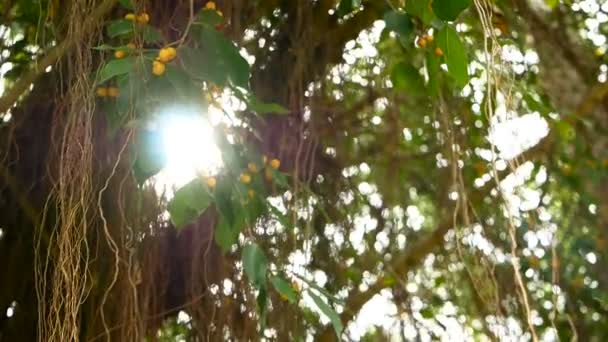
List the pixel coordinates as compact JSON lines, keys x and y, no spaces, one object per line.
{"x":131,"y":46}
{"x":143,"y":18}
{"x":113,"y":92}
{"x":251,"y":193}
{"x":252,"y":167}
{"x":210,"y":5}
{"x":167,"y":54}
{"x":245,"y":178}
{"x":211,"y":182}
{"x":101,"y":92}
{"x":429,"y":38}
{"x":119,"y":54}
{"x":130,"y":17}
{"x":275,"y":164}
{"x":422,"y":42}
{"x":438,"y":52}
{"x":158,"y":68}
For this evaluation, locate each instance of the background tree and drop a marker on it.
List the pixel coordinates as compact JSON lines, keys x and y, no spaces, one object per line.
{"x":436,"y":168}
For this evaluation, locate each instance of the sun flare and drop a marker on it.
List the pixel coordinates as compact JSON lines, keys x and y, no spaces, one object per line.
{"x":189,"y":145}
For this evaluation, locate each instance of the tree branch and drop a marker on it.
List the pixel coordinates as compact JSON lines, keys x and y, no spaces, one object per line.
{"x":13,"y":94}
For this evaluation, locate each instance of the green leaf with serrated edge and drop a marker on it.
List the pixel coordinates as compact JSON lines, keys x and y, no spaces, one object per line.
{"x":420,"y":9}
{"x":329,"y":312}
{"x":254,"y":264}
{"x":120,"y":27}
{"x":398,"y":22}
{"x":449,"y":10}
{"x":189,"y":202}
{"x":127,"y":4}
{"x":284,"y":289}
{"x":405,"y":77}
{"x":455,"y":54}
{"x":116,"y":67}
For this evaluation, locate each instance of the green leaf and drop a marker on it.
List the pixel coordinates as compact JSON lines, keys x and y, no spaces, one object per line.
{"x":150,"y":155}
{"x":284,"y":289}
{"x":347,"y":6}
{"x":264,"y":107}
{"x":182,"y":82}
{"x":188,"y":203}
{"x":223,"y":56}
{"x":209,"y":17}
{"x":225,"y":235}
{"x":116,"y":67}
{"x":151,"y":34}
{"x":449,"y":10}
{"x":127,"y":4}
{"x":404,"y":76}
{"x":262,"y":301}
{"x":420,"y":9}
{"x":427,"y":313}
{"x":223,"y":201}
{"x":455,"y":54}
{"x":120,"y":27}
{"x":432,"y":71}
{"x":254,"y":264}
{"x":398,"y":22}
{"x":329,"y":312}
{"x":552,"y":3}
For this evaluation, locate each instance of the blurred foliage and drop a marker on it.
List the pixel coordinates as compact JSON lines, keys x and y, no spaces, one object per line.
{"x":409,"y":201}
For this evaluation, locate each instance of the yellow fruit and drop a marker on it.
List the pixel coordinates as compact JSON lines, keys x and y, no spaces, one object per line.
{"x":422,"y":42}
{"x":438,"y":52}
{"x":143,"y":18}
{"x":252,"y":167}
{"x":130,"y":17}
{"x":429,"y":38}
{"x":158,"y":68}
{"x":119,"y":54}
{"x":245,"y":178}
{"x":251,"y":193}
{"x":210,"y":5}
{"x":131,"y":46}
{"x":167,"y":54}
{"x":113,"y":92}
{"x":211,"y":182}
{"x":275,"y":164}
{"x":101,"y":92}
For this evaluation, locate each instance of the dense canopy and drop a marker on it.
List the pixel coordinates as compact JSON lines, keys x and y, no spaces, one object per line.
{"x":307,"y":170}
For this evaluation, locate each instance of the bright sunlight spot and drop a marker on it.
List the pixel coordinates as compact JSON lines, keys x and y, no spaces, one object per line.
{"x":189,"y":145}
